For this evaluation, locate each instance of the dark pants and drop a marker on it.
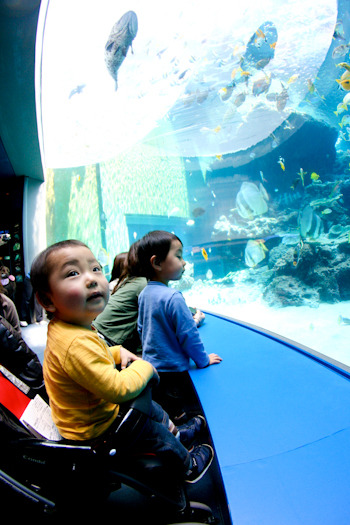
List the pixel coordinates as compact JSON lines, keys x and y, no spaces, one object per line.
{"x":175,"y":393}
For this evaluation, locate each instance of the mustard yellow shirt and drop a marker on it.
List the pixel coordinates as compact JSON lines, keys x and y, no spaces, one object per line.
{"x":84,"y":387}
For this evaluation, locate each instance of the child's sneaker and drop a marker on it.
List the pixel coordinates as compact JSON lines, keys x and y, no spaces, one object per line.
{"x":201,"y":458}
{"x":190,"y":430}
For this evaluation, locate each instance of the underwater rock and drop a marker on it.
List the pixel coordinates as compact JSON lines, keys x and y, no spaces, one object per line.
{"x":251,"y":200}
{"x":311,"y":225}
{"x":290,"y":291}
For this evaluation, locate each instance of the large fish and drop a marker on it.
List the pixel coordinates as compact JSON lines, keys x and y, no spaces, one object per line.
{"x":118,"y":43}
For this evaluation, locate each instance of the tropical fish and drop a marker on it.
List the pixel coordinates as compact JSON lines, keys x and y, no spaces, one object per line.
{"x":310,"y":85}
{"x":281,"y":163}
{"x":344,"y":83}
{"x":340,"y":51}
{"x":239,"y":99}
{"x":295,"y":183}
{"x":302,"y":174}
{"x":226,"y":92}
{"x":209,"y":274}
{"x":345,"y":121}
{"x":261,"y":85}
{"x":251,"y":201}
{"x":118,"y":43}
{"x":327,"y":211}
{"x":341,"y":107}
{"x":190,"y":222}
{"x":282,"y":99}
{"x":339,"y":30}
{"x":204,"y":253}
{"x":343,"y":320}
{"x":262,"y":177}
{"x":255,"y":252}
{"x":314,"y":176}
{"x":297,"y":252}
{"x":217,"y":129}
{"x":197,"y":212}
{"x":77,"y":90}
{"x":292,"y":79}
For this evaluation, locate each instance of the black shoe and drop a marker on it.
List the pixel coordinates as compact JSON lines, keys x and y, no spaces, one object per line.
{"x":201,"y":458}
{"x":190,"y":430}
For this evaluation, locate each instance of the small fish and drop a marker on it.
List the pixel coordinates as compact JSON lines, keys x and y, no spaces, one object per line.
{"x":226,"y":92}
{"x":197,"y":212}
{"x":217,"y":129}
{"x":282,"y":99}
{"x":341,"y":107}
{"x":335,"y":189}
{"x":219,"y":157}
{"x":292,"y":79}
{"x":302,"y":174}
{"x":345,"y":121}
{"x":340,"y":51}
{"x":295,"y":183}
{"x":339,"y":30}
{"x":314,"y":176}
{"x":135,"y":235}
{"x":262,"y":177}
{"x":343,"y":320}
{"x":77,"y":90}
{"x":297,"y":253}
{"x":261,"y":85}
{"x":281,"y":163}
{"x":204,"y":253}
{"x":209,"y":275}
{"x":311,"y":86}
{"x":190,"y":222}
{"x":327,"y":211}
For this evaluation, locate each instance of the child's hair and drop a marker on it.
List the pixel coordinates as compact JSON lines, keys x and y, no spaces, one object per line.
{"x":41,"y":269}
{"x":156,"y":243}
{"x":119,"y":263}
{"x":132,"y":267}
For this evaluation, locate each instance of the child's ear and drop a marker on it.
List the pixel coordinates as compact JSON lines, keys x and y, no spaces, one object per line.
{"x":155,"y":263}
{"x":45,"y":301}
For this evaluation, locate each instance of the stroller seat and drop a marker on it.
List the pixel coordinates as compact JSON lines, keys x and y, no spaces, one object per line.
{"x":53,"y":476}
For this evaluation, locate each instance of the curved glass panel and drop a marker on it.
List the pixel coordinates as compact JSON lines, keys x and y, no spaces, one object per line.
{"x":227,"y":124}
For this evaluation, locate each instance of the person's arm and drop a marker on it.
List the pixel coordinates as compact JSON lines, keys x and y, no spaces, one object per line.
{"x":92,"y":366}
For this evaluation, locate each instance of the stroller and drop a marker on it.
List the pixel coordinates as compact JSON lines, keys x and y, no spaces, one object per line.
{"x":47,"y":477}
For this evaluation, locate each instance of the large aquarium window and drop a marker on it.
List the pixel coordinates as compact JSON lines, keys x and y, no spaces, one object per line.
{"x":227,"y":123}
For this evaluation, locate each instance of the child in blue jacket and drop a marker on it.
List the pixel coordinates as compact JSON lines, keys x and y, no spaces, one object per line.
{"x":169,"y":333}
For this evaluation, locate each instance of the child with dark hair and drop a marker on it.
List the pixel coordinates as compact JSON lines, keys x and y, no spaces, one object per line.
{"x":169,"y":335}
{"x":86,"y":389}
{"x":118,"y":321}
{"x":119,"y":263}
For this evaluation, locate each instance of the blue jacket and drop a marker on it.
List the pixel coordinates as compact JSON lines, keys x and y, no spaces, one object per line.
{"x":169,"y":334}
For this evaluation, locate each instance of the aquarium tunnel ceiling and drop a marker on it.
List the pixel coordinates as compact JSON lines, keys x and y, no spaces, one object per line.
{"x":226,"y":81}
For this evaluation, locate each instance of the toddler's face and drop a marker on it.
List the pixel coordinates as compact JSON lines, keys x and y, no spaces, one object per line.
{"x":78,"y":289}
{"x":173,"y":266}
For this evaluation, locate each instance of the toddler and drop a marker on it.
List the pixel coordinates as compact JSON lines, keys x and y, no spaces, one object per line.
{"x":168,"y":331}
{"x":86,"y":389}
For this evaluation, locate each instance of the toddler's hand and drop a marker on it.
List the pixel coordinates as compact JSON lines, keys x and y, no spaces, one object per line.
{"x":214,"y":359}
{"x":126,"y":357}
{"x":199,"y":317}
